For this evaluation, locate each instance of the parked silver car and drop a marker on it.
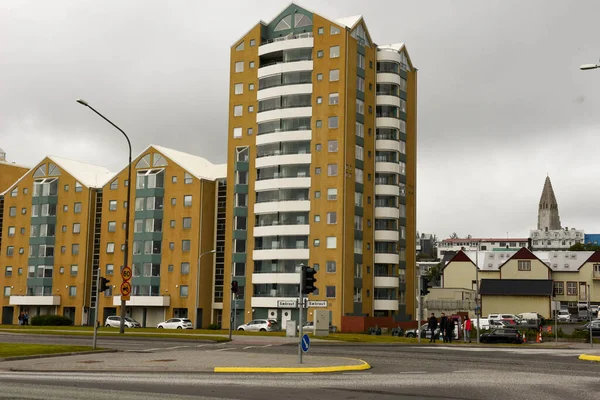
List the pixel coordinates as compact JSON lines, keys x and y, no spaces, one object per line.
{"x":115,"y":322}
{"x":262,"y":325}
{"x":176,"y":323}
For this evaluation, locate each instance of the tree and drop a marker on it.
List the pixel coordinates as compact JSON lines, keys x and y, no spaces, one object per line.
{"x":435,"y":273}
{"x":584,"y":247}
{"x":454,"y":235}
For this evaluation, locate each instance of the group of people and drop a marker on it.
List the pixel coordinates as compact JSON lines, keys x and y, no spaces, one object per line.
{"x":24,"y":318}
{"x":446,"y":325}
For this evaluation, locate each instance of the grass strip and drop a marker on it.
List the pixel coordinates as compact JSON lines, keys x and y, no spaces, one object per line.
{"x":20,"y":349}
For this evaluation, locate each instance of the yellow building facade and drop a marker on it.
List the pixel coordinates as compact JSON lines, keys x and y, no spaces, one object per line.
{"x":322,"y":170}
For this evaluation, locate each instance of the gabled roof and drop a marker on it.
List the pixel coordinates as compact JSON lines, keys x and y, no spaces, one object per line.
{"x":398,"y":47}
{"x":516,"y":287}
{"x":349,"y":22}
{"x":12,"y":164}
{"x":524,"y":254}
{"x":92,"y":176}
{"x":200,"y":167}
{"x":459,"y":256}
{"x":595,"y":257}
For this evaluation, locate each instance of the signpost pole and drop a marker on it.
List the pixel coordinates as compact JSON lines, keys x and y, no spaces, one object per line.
{"x":556,"y":308}
{"x":300,"y":312}
{"x":231,"y":314}
{"x":96,"y":311}
{"x":419,"y":301}
{"x":589,"y":317}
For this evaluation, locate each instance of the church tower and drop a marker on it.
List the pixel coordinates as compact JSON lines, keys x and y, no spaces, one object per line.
{"x":548,"y":218}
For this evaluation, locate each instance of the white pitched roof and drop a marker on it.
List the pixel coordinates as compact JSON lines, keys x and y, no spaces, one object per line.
{"x":92,"y":176}
{"x":349,"y":22}
{"x":13,"y":164}
{"x":560,"y":261}
{"x":200,"y":167}
{"x":395,"y":46}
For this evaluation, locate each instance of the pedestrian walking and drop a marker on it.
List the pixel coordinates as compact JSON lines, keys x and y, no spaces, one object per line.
{"x":432,"y":325}
{"x":449,"y":329}
{"x":21,"y":319}
{"x":26,"y":318}
{"x":443,"y":322}
{"x":468,"y":329}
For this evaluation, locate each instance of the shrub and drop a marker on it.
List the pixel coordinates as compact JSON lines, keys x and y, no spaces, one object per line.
{"x":51,"y":320}
{"x":214,"y":327}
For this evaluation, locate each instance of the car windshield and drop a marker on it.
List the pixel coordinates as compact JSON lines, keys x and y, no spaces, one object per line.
{"x":129,"y":319}
{"x":272,"y":321}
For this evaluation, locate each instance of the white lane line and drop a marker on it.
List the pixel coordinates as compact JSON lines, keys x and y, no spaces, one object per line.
{"x":200,"y":345}
{"x":227,"y":348}
{"x":248,"y":347}
{"x":268,"y":345}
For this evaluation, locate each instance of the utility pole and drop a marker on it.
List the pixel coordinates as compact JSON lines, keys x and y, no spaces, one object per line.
{"x":589,"y":317}
{"x":96,"y":310}
{"x":419,"y":301}
{"x":300,"y":310}
{"x":477,"y":305}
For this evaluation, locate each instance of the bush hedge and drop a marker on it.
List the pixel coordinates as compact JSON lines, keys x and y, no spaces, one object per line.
{"x":51,"y":320}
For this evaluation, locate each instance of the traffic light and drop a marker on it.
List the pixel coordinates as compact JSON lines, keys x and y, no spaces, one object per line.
{"x":424,"y":285}
{"x":103,"y":284}
{"x":309,"y":279}
{"x":234,"y":287}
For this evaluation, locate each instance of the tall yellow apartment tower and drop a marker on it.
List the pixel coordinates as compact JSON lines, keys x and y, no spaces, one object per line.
{"x":321,"y":170}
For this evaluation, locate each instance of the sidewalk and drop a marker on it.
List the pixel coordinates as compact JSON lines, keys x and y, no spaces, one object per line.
{"x":188,"y":360}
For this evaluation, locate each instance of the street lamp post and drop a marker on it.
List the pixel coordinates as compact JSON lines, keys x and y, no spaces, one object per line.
{"x":127,"y":209}
{"x":198,"y":284}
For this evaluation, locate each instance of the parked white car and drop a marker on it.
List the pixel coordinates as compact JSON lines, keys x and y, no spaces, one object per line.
{"x":260,"y":325}
{"x":564,"y":316}
{"x":503,"y":316}
{"x":115,"y":322}
{"x":176,"y":323}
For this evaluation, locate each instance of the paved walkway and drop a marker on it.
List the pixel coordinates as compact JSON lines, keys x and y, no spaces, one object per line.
{"x":188,"y":360}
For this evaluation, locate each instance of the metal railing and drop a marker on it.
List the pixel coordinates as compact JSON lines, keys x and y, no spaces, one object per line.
{"x":304,"y":35}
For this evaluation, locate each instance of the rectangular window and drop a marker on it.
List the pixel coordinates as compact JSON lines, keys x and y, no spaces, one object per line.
{"x":332,"y":122}
{"x":239,"y":246}
{"x":359,"y":175}
{"x":185,"y":245}
{"x":330,"y":292}
{"x":187,"y":223}
{"x":237,"y":133}
{"x":77,"y":227}
{"x":77,"y":208}
{"x":8,"y":271}
{"x":360,"y":61}
{"x":334,"y":98}
{"x":332,"y":170}
{"x":6,"y":291}
{"x":72,"y":291}
{"x":331,"y":242}
{"x":320,"y":54}
{"x":319,"y":77}
{"x":238,"y":88}
{"x":358,"y":246}
{"x":360,"y":83}
{"x":334,"y":75}
{"x":332,"y":218}
{"x":332,"y":146}
{"x":75,"y":248}
{"x":185,"y":268}
{"x":334,"y":52}
{"x":187,"y":200}
{"x":332,"y":194}
{"x":74,"y":269}
{"x":110,"y":248}
{"x":10,"y":251}
{"x":110,"y":268}
{"x":241,"y":177}
{"x":112,"y":205}
{"x":559,"y":288}
{"x":334,"y":30}
{"x":358,"y":223}
{"x":183,"y":291}
{"x":571,"y":288}
{"x":12,"y":211}
{"x":237,"y":110}
{"x":360,"y":153}
{"x":239,"y":66}
{"x":112,"y":226}
{"x":360,"y":130}
{"x":241,"y":200}
{"x":239,"y":269}
{"x":524,"y":265}
{"x":360,"y":106}
{"x":331,"y":267}
{"x":11,"y":231}
{"x":240,"y":223}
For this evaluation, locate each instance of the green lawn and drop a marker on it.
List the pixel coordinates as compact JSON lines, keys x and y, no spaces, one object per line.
{"x":19,"y":349}
{"x":365,"y":338}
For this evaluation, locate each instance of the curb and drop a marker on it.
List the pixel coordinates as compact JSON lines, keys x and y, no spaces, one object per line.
{"x":74,"y":353}
{"x":589,"y":357}
{"x":305,"y":370}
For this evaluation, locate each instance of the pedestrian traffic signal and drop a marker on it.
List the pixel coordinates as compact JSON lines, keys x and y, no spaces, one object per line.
{"x":104,"y":284}
{"x":309,"y":279}
{"x":234,"y":287}
{"x":424,"y":285}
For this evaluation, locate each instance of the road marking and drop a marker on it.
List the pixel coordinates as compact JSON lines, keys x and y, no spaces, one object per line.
{"x":227,"y":348}
{"x":248,"y":347}
{"x":268,"y":345}
{"x":200,"y":345}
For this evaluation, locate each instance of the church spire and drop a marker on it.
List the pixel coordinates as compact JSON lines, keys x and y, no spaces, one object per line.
{"x":548,"y":218}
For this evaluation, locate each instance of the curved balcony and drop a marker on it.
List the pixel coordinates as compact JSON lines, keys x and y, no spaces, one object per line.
{"x":387,"y":190}
{"x":304,"y":65}
{"x":281,"y":254}
{"x":386,"y":258}
{"x":288,"y":159}
{"x":386,"y":236}
{"x":389,"y":167}
{"x":277,"y":91}
{"x":384,"y":282}
{"x":388,"y":100}
{"x":388,"y":77}
{"x":385,"y":305}
{"x":281,"y":206}
{"x":284,"y":136}
{"x":387,"y":122}
{"x":389,"y":55}
{"x":281,"y":278}
{"x":387,"y":212}
{"x":387,"y":145}
{"x":303,"y":40}
{"x":281,"y":230}
{"x":282,"y":183}
{"x":283,"y":113}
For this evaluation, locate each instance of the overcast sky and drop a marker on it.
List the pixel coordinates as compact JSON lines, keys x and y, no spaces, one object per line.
{"x":502,"y":101}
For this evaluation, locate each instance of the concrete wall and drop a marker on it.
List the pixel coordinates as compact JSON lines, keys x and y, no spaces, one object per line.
{"x":515,"y":305}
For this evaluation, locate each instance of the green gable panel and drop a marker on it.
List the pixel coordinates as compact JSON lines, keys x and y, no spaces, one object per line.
{"x":239,"y":257}
{"x":145,"y":281}
{"x":361,"y":72}
{"x":360,"y":95}
{"x":32,"y":282}
{"x":358,"y":282}
{"x":361,"y":49}
{"x":157,"y":192}
{"x":241,"y":189}
{"x":293,"y":20}
{"x":358,"y":234}
{"x":241,"y":280}
{"x":240,"y":212}
{"x":360,"y":118}
{"x":360,"y":141}
{"x":242,"y":166}
{"x":358,"y":211}
{"x":358,"y":258}
{"x":360,"y":188}
{"x":240,"y":234}
{"x":360,"y":164}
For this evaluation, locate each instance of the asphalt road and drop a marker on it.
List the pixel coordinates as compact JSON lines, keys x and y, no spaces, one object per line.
{"x":399,"y":372}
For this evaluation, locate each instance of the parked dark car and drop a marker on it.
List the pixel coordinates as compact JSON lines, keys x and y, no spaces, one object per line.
{"x":504,"y":335}
{"x":586,"y":328}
